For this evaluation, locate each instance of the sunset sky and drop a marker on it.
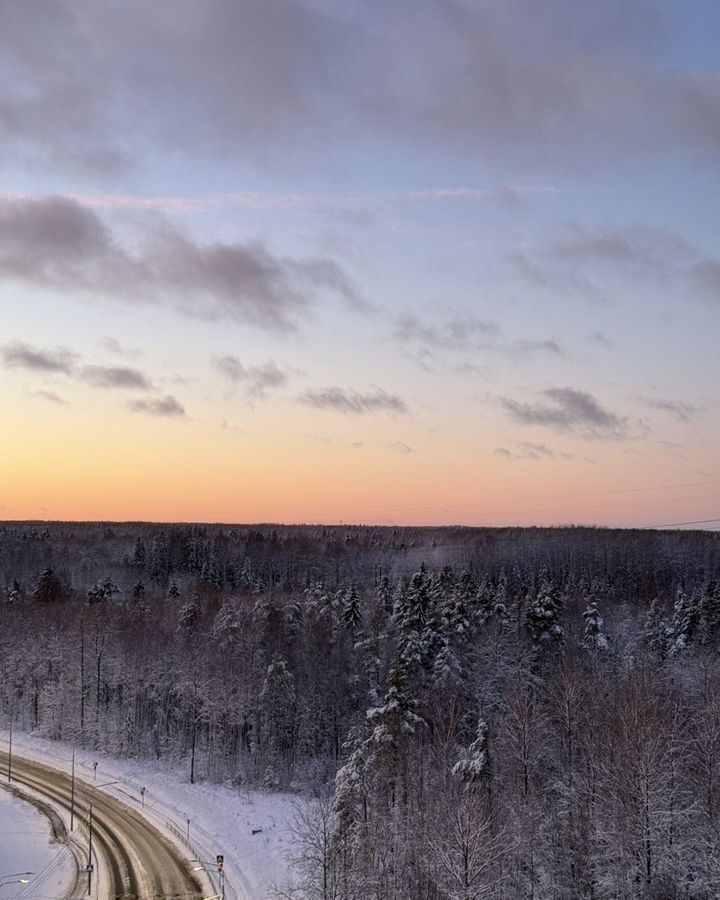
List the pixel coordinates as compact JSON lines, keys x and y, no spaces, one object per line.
{"x":439,"y":261}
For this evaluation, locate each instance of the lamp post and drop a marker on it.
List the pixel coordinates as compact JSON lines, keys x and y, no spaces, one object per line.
{"x":72,"y":794}
{"x":90,"y":830}
{"x":10,"y":747}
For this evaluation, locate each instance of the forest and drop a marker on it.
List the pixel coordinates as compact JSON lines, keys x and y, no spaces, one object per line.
{"x":474,"y":713}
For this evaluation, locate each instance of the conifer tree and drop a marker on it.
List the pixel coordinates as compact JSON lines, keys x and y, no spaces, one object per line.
{"x":593,"y":637}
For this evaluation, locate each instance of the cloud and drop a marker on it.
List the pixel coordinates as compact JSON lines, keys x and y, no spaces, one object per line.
{"x":526,"y":450}
{"x":401,"y":447}
{"x":115,"y":377}
{"x":569,"y":410}
{"x":94,"y":85}
{"x":65,"y":362}
{"x":56,"y":243}
{"x":114,"y":346}
{"x":167,"y":407}
{"x":256,"y":380}
{"x":51,"y":397}
{"x":457,"y":332}
{"x":584,"y":261}
{"x":600,"y":338}
{"x":705,"y":278}
{"x":351,"y":402}
{"x":680,"y":409}
{"x":19,"y":355}
{"x":466,"y":333}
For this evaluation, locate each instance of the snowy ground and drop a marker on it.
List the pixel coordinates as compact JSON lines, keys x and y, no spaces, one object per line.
{"x":222,"y":819}
{"x":26,"y":846}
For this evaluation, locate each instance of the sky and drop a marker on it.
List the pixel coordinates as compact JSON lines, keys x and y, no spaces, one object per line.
{"x":428,"y":262}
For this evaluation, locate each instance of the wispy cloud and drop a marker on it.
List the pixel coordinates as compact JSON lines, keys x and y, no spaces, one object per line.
{"x":679,"y":409}
{"x":600,"y":338}
{"x":115,"y":377}
{"x":457,"y":332}
{"x":62,"y":361}
{"x":50,"y":396}
{"x":54,"y":242}
{"x":165,"y":407}
{"x":568,"y":410}
{"x":465,"y":333}
{"x":255,"y":380}
{"x":115,"y":347}
{"x":351,"y":402}
{"x":19,"y":355}
{"x":528,"y":450}
{"x":402,"y":447}
{"x":581,"y":261}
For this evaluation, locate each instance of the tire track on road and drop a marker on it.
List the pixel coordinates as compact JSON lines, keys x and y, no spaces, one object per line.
{"x":142,"y":862}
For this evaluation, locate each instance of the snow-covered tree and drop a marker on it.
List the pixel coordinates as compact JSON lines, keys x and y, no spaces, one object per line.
{"x":542,"y":617}
{"x":474,"y":764}
{"x":593,"y":636}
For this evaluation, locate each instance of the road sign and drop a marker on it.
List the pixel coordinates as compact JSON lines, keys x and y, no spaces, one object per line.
{"x":220,"y":860}
{"x":90,"y":868}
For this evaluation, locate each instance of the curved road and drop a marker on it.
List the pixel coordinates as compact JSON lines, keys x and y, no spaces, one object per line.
{"x":140,"y":862}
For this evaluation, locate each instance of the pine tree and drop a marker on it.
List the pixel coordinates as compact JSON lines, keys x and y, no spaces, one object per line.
{"x":657,"y":632}
{"x":48,"y":588}
{"x":500,"y":601}
{"x":686,"y":619}
{"x":593,"y":636}
{"x":15,"y":593}
{"x":710,"y":612}
{"x":102,"y":590}
{"x":351,"y":614}
{"x":474,"y":766}
{"x":140,"y":555}
{"x":542,"y":617}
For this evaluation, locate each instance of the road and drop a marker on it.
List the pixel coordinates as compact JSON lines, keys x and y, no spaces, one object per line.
{"x":140,"y":862}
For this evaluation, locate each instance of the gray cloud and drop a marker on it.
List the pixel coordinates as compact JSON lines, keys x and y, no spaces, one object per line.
{"x":115,"y":377}
{"x":55,"y":242}
{"x":255,"y":380}
{"x":582,"y":261}
{"x":51,"y":397}
{"x":167,"y":407}
{"x":601,"y":339}
{"x":22,"y":356}
{"x":402,"y":447}
{"x":680,"y":409}
{"x":581,"y":83}
{"x":352,"y":402}
{"x":66,"y":362}
{"x":115,"y":347}
{"x":569,"y":410}
{"x":526,"y":450}
{"x":705,"y":277}
{"x":458,"y":332}
{"x":466,"y":333}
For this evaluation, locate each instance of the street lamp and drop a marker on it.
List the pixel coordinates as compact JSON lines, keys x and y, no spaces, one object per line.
{"x":90,"y":830}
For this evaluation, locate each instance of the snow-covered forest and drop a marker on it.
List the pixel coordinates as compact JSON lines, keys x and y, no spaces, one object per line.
{"x":478,"y":713}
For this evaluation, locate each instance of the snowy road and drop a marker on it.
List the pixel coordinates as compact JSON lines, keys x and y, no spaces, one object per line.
{"x":138,"y":861}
